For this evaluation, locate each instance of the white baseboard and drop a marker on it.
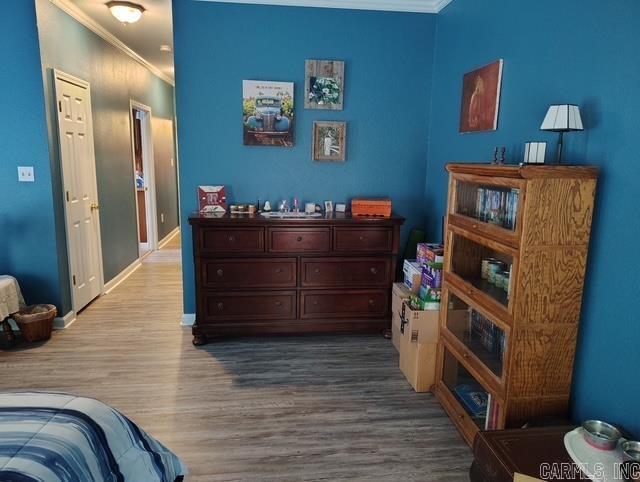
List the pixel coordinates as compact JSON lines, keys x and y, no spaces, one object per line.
{"x":123,"y":275}
{"x":169,"y":237}
{"x":188,"y":319}
{"x":63,"y":322}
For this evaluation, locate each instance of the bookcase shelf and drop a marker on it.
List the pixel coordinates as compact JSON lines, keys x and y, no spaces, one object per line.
{"x":512,"y":347}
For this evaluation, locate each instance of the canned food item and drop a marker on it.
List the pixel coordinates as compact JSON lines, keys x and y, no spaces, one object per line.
{"x":494,"y":268}
{"x":504,"y":279}
{"x":484,"y":272}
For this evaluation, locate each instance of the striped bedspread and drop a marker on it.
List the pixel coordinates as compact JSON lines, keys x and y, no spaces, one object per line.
{"x":50,"y":437}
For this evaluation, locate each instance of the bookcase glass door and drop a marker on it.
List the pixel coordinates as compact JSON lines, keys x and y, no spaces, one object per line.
{"x":480,"y":336}
{"x":487,"y":269}
{"x":480,"y":405}
{"x":497,"y":205}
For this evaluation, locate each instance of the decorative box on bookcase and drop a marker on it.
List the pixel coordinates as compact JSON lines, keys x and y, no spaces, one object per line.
{"x":510,"y":349}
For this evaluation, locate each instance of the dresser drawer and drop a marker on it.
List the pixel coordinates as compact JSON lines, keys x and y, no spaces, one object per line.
{"x":345,"y":271}
{"x":347,"y":240}
{"x":234,"y":240}
{"x":248,"y":273}
{"x":344,"y":304}
{"x":268,"y":305}
{"x":299,"y":240}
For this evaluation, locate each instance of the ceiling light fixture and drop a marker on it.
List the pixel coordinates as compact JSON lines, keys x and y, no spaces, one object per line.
{"x":126,"y":12}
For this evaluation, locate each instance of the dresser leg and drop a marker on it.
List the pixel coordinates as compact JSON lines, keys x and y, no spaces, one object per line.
{"x":199,"y":340}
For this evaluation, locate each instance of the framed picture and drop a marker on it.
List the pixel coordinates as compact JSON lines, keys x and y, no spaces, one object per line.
{"x":329,"y":141}
{"x":267,"y":113}
{"x":481,"y":99}
{"x":328,"y":206}
{"x":324,"y":84}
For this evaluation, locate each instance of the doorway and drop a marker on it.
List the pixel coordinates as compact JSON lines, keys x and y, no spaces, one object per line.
{"x":80,"y":188}
{"x":144,"y":179}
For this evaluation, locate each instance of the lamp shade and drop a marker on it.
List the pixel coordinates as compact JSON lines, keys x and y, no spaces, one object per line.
{"x":562,"y":118}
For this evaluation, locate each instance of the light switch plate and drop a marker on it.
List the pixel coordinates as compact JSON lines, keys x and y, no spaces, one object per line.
{"x":25,"y":174}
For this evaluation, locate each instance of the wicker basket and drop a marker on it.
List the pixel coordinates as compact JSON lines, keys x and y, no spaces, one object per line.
{"x":36,"y":321}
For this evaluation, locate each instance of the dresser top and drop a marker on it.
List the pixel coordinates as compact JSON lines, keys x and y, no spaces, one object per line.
{"x":326,"y":219}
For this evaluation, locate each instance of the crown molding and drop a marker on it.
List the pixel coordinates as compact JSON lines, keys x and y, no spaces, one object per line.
{"x":72,"y":10}
{"x":414,"y":6}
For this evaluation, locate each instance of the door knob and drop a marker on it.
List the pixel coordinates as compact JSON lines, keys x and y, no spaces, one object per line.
{"x":94,"y":206}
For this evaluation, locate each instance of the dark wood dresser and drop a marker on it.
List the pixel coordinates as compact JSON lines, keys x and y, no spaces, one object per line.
{"x":257,"y":275}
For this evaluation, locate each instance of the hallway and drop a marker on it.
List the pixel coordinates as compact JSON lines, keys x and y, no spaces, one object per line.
{"x":279,"y":409}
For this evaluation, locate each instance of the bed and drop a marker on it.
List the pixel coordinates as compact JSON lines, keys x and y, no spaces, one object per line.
{"x":53,"y":437}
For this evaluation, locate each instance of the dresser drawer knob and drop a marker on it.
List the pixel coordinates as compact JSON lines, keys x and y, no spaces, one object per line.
{"x":299,"y":238}
{"x":362,"y":238}
{"x":220,"y":306}
{"x":374,"y":270}
{"x":315,"y":303}
{"x":231,"y":239}
{"x":278,"y":303}
{"x":220,"y":273}
{"x":278,"y":270}
{"x":316,"y":271}
{"x":371,"y":302}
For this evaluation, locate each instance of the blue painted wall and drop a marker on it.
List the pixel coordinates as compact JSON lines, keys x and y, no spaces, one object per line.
{"x":388,"y":81}
{"x":27,"y":230}
{"x":574,"y":51}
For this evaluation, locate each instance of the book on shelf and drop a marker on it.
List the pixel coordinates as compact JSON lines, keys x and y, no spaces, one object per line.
{"x":497,"y":206}
{"x":473,"y":397}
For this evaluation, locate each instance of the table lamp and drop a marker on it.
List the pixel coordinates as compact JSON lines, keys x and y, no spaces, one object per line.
{"x":562,"y":118}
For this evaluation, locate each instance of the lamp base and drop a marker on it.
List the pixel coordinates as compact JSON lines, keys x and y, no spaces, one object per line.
{"x":560,"y":143}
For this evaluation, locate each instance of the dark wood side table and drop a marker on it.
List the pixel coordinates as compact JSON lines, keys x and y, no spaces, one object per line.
{"x":501,"y":453}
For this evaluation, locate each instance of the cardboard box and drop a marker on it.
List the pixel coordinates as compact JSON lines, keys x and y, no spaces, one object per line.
{"x":419,"y":337}
{"x":396,"y":335}
{"x":412,"y":275}
{"x":400,"y":294}
{"x":430,"y":253}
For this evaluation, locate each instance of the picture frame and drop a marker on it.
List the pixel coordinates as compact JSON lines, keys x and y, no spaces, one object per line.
{"x":324,"y":84}
{"x":329,"y":141}
{"x":268,"y":113}
{"x":328,"y":206}
{"x":481,"y":90}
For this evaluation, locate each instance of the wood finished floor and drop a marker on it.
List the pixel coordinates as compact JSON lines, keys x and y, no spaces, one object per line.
{"x":259,"y":409}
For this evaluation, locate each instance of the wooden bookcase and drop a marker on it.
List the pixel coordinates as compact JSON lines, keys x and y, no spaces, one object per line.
{"x":517,"y":344}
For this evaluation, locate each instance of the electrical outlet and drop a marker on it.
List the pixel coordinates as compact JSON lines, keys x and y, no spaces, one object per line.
{"x":162,"y":217}
{"x":25,"y":174}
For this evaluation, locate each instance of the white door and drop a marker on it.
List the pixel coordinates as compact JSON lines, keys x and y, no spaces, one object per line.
{"x":77,"y":156}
